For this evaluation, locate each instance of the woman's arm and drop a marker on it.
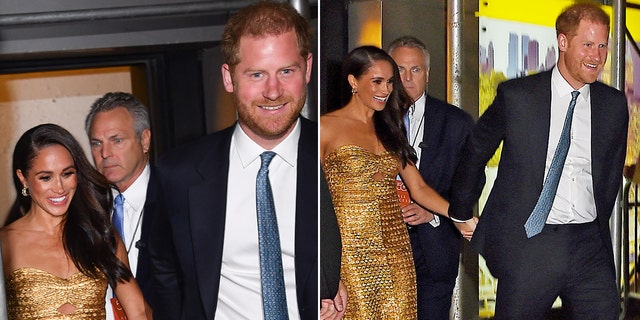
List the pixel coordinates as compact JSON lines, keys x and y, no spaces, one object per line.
{"x":129,"y":293}
{"x":428,"y":198}
{"x":422,"y":193}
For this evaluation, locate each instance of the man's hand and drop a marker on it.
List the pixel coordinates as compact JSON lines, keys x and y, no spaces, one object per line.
{"x":327,"y":309}
{"x":340,"y":301}
{"x":334,"y":309}
{"x":413,"y":214}
{"x":467,"y":228}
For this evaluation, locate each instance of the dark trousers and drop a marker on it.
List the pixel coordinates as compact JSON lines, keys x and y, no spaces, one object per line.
{"x":434,"y":295}
{"x":569,"y":261}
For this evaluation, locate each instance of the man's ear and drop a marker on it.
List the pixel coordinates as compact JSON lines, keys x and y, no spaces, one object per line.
{"x":562,"y":42}
{"x":309,"y":66}
{"x":227,"y":78}
{"x":145,"y":139}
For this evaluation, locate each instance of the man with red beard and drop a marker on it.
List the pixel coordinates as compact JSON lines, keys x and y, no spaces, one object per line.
{"x":544,"y":230}
{"x":209,"y":249}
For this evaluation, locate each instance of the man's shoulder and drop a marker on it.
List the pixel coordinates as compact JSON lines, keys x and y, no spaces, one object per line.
{"x":527,"y":81}
{"x":198,"y":148}
{"x":601,"y":88}
{"x":309,"y":128}
{"x":451,"y":111}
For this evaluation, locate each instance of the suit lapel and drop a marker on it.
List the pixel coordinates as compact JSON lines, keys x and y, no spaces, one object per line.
{"x":599,"y":137}
{"x":149,"y":208}
{"x":426,"y":143}
{"x":207,"y":207}
{"x":538,"y":131}
{"x":306,"y":234}
{"x":430,"y":143}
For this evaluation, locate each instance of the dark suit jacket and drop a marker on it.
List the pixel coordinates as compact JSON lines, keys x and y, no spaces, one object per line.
{"x":446,"y":128}
{"x":519,"y":116}
{"x":330,"y":243}
{"x":143,"y":270}
{"x":187,"y":235}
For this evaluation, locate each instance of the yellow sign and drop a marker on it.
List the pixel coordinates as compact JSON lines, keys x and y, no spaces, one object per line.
{"x":545,"y":12}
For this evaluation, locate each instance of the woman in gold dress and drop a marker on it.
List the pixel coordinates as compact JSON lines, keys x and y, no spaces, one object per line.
{"x":60,"y":255}
{"x":363,"y":147}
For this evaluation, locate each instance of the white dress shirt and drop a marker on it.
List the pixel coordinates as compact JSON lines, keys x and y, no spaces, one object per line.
{"x":134,"y":199}
{"x":239,"y":296}
{"x":416,"y":133}
{"x":574,"y":201}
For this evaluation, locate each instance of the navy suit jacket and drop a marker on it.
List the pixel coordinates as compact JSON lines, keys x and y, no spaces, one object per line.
{"x":143,"y":270}
{"x":519,"y":117}
{"x":187,"y":235}
{"x":446,"y":128}
{"x":330,"y":243}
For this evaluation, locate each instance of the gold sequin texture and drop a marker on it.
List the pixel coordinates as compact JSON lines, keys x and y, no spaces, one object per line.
{"x":377,"y":263}
{"x":36,"y":294}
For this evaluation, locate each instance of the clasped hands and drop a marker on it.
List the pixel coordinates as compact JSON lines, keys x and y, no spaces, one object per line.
{"x":467,"y":228}
{"x":413,"y":215}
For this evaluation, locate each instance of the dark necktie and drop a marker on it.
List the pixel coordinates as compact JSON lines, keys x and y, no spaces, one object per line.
{"x":117,"y":219}
{"x":538,"y":217}
{"x":274,"y":300}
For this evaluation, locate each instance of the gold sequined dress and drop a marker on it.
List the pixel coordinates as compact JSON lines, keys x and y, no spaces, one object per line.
{"x":36,"y":294}
{"x":377,"y":263}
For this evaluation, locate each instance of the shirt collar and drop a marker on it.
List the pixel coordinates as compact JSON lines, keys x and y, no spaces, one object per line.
{"x":564,"y":88}
{"x":420,"y":105}
{"x":136,"y":194}
{"x":249,"y":151}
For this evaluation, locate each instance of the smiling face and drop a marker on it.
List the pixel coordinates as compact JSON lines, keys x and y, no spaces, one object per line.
{"x":374,"y":86}
{"x":51,"y":180}
{"x":269,"y":86}
{"x":582,"y":56}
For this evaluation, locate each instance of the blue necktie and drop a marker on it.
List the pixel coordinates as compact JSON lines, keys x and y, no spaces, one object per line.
{"x":538,"y":217}
{"x":117,"y":219}
{"x":407,"y":125}
{"x":274,"y":300}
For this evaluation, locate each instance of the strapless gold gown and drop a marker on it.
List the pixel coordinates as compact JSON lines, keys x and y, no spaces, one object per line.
{"x":36,"y":294}
{"x":377,"y":263}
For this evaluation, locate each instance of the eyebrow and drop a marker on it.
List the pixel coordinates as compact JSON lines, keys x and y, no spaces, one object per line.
{"x":289,"y":66}
{"x":109,"y":137}
{"x":51,"y":172}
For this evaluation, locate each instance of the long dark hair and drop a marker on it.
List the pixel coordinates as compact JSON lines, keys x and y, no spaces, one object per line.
{"x":388,"y":123}
{"x":87,"y":234}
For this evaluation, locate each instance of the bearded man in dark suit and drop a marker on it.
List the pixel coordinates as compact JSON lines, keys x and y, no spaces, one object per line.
{"x":564,"y":250}
{"x":204,"y":244}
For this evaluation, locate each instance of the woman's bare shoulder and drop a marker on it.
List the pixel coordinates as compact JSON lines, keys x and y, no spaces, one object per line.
{"x":10,"y":230}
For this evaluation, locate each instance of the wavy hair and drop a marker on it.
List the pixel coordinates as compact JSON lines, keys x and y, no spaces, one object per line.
{"x":112,"y":100}
{"x":388,"y":123}
{"x":87,"y":234}
{"x":261,"y":19}
{"x":568,"y":21}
